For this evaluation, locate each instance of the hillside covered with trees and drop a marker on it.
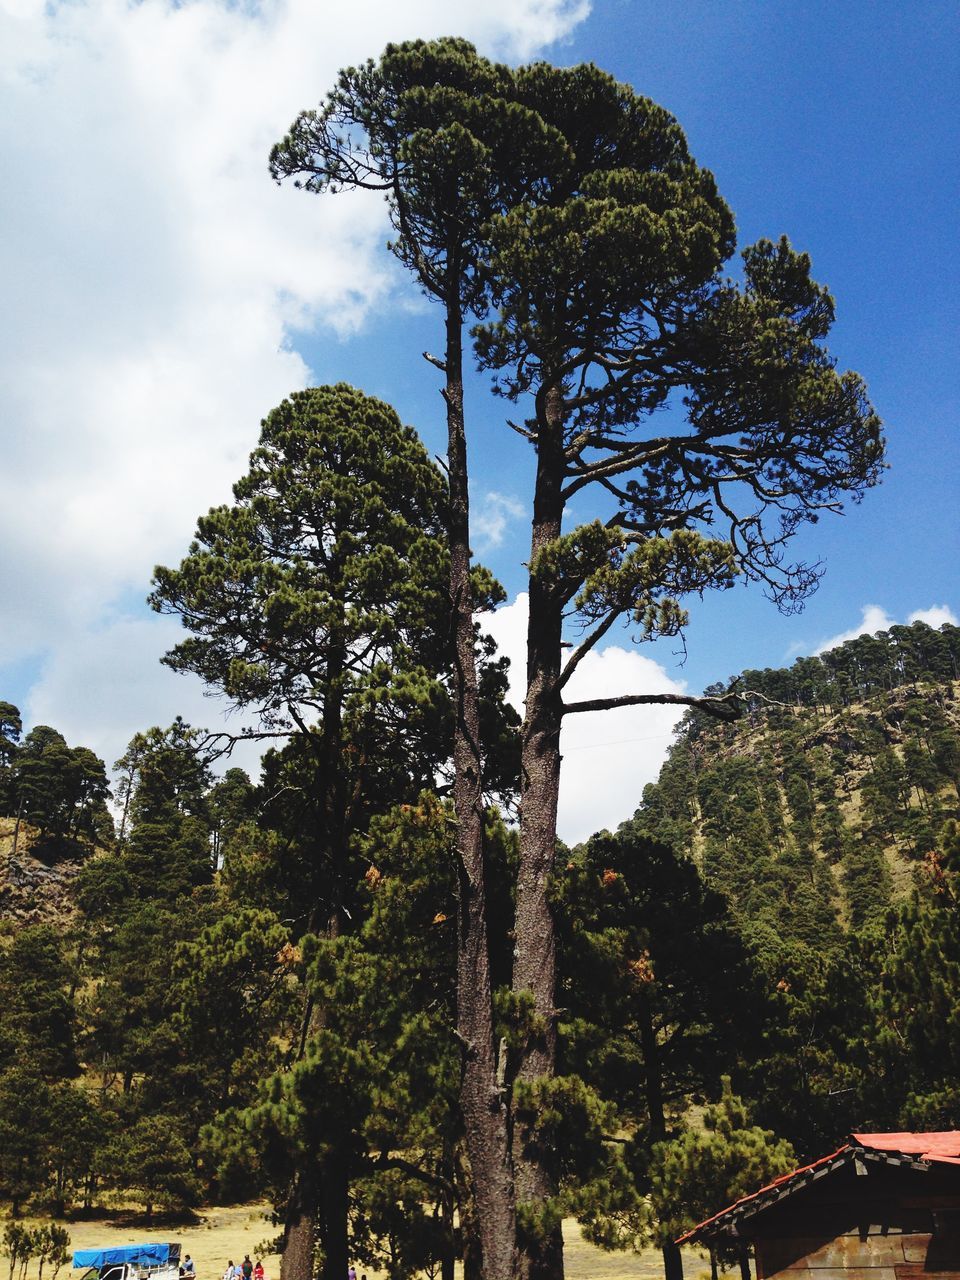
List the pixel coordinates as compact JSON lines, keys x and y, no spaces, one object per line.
{"x":815,"y":811}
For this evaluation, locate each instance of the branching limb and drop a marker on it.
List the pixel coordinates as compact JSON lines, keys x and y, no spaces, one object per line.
{"x":586,"y":645}
{"x":385,"y":1161}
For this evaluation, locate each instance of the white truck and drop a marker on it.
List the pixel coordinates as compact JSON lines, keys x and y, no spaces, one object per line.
{"x":130,"y":1262}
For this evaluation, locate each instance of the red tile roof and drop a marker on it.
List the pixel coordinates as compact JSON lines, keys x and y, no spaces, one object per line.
{"x":901,"y":1148}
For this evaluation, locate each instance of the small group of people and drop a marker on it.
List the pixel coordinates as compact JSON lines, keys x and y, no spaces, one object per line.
{"x":245,"y":1270}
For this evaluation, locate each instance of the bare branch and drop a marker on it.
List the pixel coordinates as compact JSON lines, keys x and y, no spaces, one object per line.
{"x":729,"y":707}
{"x":586,"y":645}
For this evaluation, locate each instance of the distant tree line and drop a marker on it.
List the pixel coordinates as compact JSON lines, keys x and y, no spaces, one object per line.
{"x":861,"y":667}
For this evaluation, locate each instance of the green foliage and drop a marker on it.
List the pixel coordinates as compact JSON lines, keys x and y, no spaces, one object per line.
{"x":649,"y":961}
{"x":324,"y":578}
{"x":379,"y":1076}
{"x":53,"y":1248}
{"x":799,"y":813}
{"x":703,"y":1171}
{"x":59,"y":789}
{"x":151,"y":1162}
{"x":37,"y":1016}
{"x":18,"y":1243}
{"x":658,"y":999}
{"x":917,"y":999}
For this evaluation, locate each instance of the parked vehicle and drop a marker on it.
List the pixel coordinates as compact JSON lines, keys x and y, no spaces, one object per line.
{"x":130,"y":1262}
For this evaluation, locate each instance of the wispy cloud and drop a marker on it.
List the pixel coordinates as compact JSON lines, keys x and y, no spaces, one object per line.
{"x":491,"y":518}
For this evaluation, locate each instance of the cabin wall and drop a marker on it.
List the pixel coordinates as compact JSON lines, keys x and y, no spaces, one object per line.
{"x":878,"y":1222}
{"x":872,"y":1251}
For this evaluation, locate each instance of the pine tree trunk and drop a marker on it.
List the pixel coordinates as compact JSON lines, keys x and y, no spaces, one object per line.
{"x":299,"y":1228}
{"x":333,"y":1212}
{"x":534,"y":972}
{"x":482,"y":1102}
{"x":744,"y":1262}
{"x":16,"y":827}
{"x":448,"y":1248}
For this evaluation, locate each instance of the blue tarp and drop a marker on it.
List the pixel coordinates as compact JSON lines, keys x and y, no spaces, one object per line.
{"x":141,"y":1255}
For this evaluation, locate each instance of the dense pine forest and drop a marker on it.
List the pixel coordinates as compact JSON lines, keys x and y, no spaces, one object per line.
{"x":764,"y":958}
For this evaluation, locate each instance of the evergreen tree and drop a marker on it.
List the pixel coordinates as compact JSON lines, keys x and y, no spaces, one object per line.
{"x":439,"y":131}
{"x":38,"y":1061}
{"x":703,"y":1171}
{"x":316,"y":600}
{"x":658,"y":993}
{"x":61,"y":790}
{"x":916,"y":1000}
{"x":607,"y":180}
{"x":11,"y":727}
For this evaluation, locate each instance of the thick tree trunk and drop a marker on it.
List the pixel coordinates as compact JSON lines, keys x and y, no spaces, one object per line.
{"x":534,"y":972}
{"x":744,"y":1260}
{"x":482,"y":1102}
{"x":299,"y":1228}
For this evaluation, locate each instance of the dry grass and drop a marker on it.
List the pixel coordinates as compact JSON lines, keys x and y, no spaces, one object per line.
{"x":229,"y":1232}
{"x":218,"y":1235}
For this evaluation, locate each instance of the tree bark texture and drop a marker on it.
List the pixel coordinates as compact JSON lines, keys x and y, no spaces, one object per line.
{"x":482,"y":1102}
{"x":299,"y":1228}
{"x":534,"y":972}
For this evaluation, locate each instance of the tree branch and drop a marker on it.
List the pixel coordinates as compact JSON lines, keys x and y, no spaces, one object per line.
{"x":729,"y":707}
{"x":586,"y":645}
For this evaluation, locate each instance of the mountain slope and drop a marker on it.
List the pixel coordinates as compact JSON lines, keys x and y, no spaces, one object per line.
{"x":814,"y":811}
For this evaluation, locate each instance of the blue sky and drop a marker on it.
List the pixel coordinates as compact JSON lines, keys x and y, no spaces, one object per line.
{"x":163,"y":295}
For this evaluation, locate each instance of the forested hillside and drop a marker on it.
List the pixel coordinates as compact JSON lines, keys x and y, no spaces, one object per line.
{"x":815,"y":811}
{"x":826,"y":820}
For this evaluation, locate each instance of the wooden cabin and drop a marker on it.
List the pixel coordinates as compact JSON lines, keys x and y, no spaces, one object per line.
{"x":885,"y":1206}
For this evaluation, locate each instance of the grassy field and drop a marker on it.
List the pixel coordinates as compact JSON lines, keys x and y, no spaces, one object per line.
{"x":230,"y":1232}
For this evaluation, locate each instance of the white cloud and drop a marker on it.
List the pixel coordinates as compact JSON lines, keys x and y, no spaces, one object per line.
{"x":490,"y":518}
{"x":873,"y":618}
{"x":609,"y":756}
{"x":109,"y":684}
{"x":152,"y":274}
{"x":935,"y":616}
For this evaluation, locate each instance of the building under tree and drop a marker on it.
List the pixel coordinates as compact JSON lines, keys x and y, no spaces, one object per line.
{"x":884,"y":1206}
